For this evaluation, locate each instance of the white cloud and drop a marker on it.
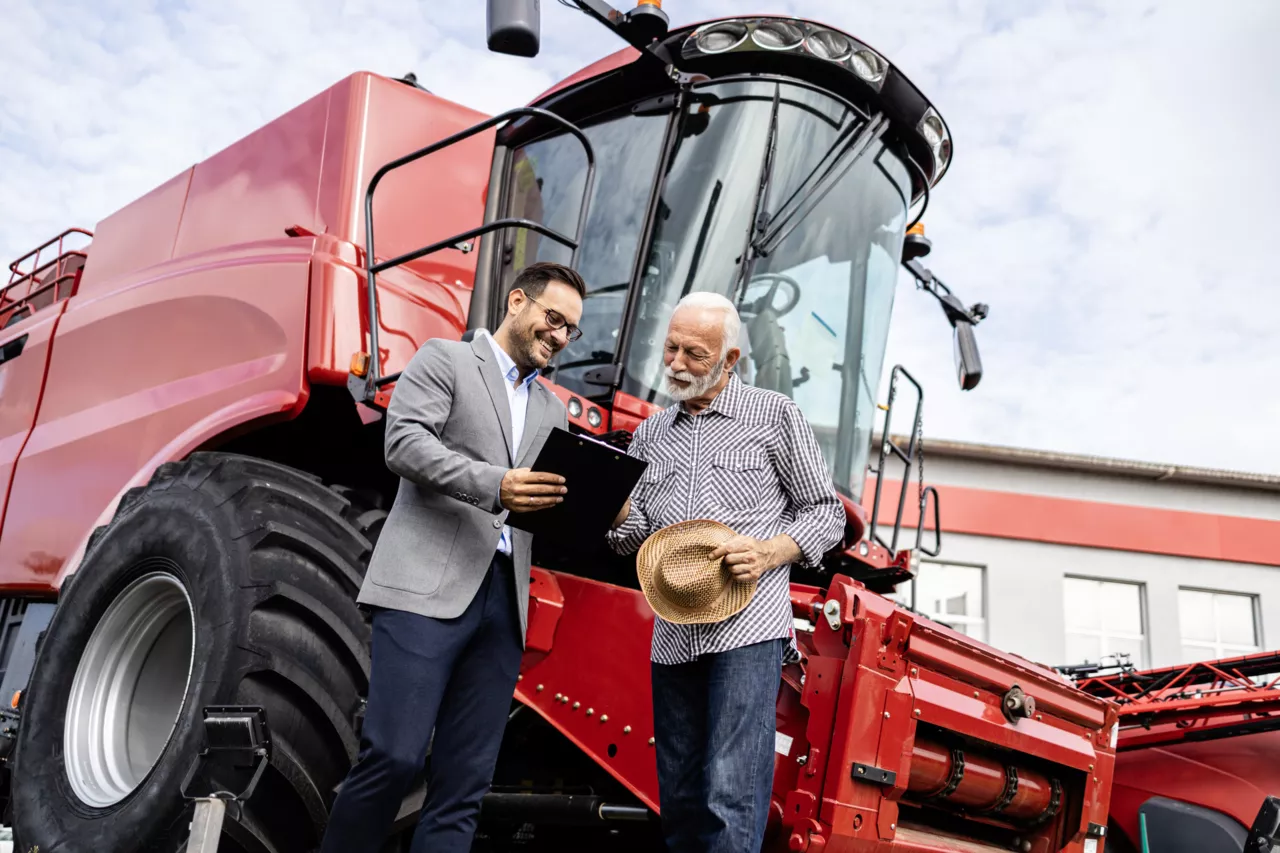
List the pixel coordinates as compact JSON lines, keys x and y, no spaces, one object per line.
{"x":1113,"y":195}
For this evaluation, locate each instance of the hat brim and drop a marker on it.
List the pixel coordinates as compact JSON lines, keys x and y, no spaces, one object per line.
{"x":733,"y":598}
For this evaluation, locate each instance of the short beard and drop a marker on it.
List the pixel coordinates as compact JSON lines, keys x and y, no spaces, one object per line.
{"x":698,"y":385}
{"x":527,"y":343}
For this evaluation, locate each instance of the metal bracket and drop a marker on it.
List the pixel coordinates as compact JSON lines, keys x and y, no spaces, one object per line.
{"x":1265,"y":834}
{"x":609,"y":375}
{"x":236,"y":752}
{"x":832,"y":611}
{"x":868,"y":773}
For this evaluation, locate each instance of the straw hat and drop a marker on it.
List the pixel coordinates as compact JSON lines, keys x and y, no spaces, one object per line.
{"x":681,"y":581}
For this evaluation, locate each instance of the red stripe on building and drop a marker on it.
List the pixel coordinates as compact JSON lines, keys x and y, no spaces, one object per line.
{"x":1093,"y":524}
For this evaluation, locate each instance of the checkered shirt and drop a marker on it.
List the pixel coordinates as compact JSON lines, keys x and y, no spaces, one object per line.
{"x":749,"y":461}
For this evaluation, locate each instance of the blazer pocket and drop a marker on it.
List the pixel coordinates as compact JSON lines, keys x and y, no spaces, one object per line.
{"x":738,"y":479}
{"x":423,"y":555}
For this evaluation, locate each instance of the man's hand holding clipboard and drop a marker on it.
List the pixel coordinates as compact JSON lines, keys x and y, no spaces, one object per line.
{"x":598,"y":479}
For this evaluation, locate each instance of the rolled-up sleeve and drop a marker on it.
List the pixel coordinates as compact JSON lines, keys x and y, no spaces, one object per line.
{"x":627,"y":537}
{"x":819,"y":515}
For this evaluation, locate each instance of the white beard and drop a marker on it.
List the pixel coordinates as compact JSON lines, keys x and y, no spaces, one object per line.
{"x":698,"y":385}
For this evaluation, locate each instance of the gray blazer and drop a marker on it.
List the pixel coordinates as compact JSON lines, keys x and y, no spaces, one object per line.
{"x":449,"y":439}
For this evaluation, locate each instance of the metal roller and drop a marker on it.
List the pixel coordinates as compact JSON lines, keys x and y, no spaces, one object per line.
{"x":981,"y":785}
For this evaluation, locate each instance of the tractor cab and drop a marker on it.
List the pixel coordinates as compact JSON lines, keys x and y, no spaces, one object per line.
{"x":775,"y":161}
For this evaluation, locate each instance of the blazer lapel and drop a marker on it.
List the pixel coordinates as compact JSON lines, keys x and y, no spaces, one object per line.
{"x":494,"y":384}
{"x":532,"y":418}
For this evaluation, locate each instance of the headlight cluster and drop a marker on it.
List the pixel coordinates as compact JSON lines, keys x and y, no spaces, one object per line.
{"x":780,"y":34}
{"x":935,"y":133}
{"x":803,"y":38}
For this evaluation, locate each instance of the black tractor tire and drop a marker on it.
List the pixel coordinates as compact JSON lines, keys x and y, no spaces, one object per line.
{"x":271,"y":561}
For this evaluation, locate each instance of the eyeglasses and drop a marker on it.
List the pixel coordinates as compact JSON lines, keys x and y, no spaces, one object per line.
{"x":557,"y":321}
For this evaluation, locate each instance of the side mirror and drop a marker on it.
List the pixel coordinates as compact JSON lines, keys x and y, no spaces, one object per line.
{"x":514,"y":27}
{"x":968,"y":362}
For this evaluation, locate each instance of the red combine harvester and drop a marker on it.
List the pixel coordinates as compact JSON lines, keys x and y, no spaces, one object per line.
{"x":191,"y":443}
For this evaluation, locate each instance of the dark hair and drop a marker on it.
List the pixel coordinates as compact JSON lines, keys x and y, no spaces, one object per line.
{"x":534,"y":279}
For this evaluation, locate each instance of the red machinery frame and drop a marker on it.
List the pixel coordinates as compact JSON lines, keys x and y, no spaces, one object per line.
{"x":1196,"y":701}
{"x":871,"y":725}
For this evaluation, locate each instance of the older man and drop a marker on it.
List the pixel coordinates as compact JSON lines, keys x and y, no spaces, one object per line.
{"x":747,"y":458}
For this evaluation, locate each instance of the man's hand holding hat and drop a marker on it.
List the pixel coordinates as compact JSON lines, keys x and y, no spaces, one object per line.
{"x":748,"y":558}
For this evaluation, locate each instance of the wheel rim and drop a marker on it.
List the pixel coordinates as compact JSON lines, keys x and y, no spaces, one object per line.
{"x":129,"y":688}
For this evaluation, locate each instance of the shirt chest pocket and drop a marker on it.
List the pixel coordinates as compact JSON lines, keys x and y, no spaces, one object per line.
{"x":740,"y":479}
{"x":658,"y":483}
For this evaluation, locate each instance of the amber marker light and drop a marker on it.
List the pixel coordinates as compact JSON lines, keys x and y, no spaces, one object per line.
{"x":360,"y":364}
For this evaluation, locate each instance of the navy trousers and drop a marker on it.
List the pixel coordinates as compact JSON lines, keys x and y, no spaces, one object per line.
{"x":455,"y":676}
{"x":714,"y":724}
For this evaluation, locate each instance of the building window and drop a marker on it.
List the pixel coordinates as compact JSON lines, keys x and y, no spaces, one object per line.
{"x":950,"y":594}
{"x":1217,"y":624}
{"x":1103,"y":618}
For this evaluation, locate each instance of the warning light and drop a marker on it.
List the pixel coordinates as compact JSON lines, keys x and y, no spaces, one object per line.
{"x":17,"y":697}
{"x":360,"y":364}
{"x":918,"y":228}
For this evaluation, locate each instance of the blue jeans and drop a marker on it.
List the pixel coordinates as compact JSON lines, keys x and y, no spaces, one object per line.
{"x":455,"y":676}
{"x":714,"y":726}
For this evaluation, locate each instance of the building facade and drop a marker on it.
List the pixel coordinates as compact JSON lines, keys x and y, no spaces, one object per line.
{"x":1068,"y":559}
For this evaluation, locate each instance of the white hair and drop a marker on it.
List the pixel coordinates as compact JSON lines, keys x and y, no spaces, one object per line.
{"x":716,"y":302}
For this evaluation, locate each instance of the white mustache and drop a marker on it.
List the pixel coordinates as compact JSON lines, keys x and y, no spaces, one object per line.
{"x":682,"y":375}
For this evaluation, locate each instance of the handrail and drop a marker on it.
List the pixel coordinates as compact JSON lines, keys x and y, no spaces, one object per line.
{"x":13,"y":266}
{"x":374,"y":379}
{"x":909,"y":457}
{"x":41,"y":277}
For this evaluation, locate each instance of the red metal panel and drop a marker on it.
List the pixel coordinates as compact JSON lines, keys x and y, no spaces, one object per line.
{"x":373,"y":120}
{"x":256,"y":187}
{"x":546,"y":604}
{"x":629,"y":412}
{"x":1231,"y":776}
{"x":22,"y":381}
{"x":947,"y":652}
{"x":139,"y":235}
{"x":426,"y":201}
{"x":143,"y":368}
{"x":411,"y":310}
{"x":594,"y":691}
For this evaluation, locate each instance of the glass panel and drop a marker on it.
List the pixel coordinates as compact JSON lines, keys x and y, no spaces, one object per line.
{"x":816,"y":310}
{"x":953,"y":590}
{"x":1121,"y":645}
{"x":1192,"y":653}
{"x":1121,"y":607}
{"x":704,"y":216}
{"x":547,"y":180}
{"x":1235,"y":619}
{"x":1195,"y":615}
{"x":1079,"y":604}
{"x":1082,"y":648}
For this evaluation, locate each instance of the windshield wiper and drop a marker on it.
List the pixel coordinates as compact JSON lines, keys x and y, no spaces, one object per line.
{"x":788,"y":218}
{"x":759,"y":218}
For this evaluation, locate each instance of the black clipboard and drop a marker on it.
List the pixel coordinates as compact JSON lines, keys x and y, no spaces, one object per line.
{"x":599,"y":478}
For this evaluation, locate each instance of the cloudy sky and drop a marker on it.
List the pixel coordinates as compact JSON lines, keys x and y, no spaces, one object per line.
{"x":1113,"y":196}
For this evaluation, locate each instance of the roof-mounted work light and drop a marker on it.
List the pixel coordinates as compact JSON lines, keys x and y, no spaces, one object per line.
{"x":787,"y":35}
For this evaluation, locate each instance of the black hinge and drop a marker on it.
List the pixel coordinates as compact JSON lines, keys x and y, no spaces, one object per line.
{"x":867,"y":773}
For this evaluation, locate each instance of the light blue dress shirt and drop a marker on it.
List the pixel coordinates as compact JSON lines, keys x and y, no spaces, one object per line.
{"x":518,"y":400}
